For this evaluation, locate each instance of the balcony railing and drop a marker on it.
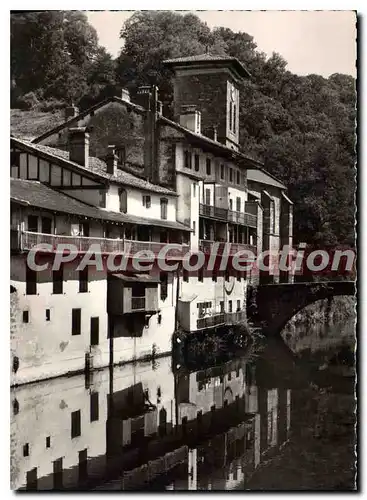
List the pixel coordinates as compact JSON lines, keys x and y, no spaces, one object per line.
{"x":245,"y":219}
{"x":26,"y":240}
{"x":235,"y":317}
{"x":215,"y":212}
{"x":210,"y":321}
{"x":221,"y":319}
{"x":206,"y":246}
{"x":138,"y":303}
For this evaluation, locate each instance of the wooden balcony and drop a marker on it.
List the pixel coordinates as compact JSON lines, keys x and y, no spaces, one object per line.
{"x":210,"y":321}
{"x":235,"y":317}
{"x":221,"y":319}
{"x":206,"y":246}
{"x":225,"y":215}
{"x":26,"y":240}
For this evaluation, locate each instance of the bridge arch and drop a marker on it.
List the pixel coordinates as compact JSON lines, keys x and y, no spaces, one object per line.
{"x":276,"y":304}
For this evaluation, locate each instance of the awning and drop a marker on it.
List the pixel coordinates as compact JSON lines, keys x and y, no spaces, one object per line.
{"x":137,"y":278}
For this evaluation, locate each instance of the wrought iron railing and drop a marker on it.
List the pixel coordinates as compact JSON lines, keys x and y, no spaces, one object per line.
{"x":245,"y":219}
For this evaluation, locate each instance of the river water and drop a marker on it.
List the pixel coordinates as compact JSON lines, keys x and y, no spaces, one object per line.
{"x":281,"y":417}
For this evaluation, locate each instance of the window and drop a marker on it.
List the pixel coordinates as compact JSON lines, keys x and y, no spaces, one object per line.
{"x":146,"y":201}
{"x":25,"y":316}
{"x":75,"y":424}
{"x":229,"y":310}
{"x":164,"y":205}
{"x":121,"y":155}
{"x":194,"y":227}
{"x":84,"y":229}
{"x":31,"y":282}
{"x":197,"y":163}
{"x":76,"y":321}
{"x":15,"y":406}
{"x":185,"y":275}
{"x":194,"y":189}
{"x":48,"y":442}
{"x":94,"y":331}
{"x":234,"y":118}
{"x":14,"y":158}
{"x":164,"y":285}
{"x":238,"y":178}
{"x":238,"y":305}
{"x":33,"y":223}
{"x":222,"y":172}
{"x":123,"y":200}
{"x":238,"y":204}
{"x":230,"y":175}
{"x":48,"y":314}
{"x":231,"y":204}
{"x":102,"y":198}
{"x":187,"y":159}
{"x":26,"y":450}
{"x":57,"y":281}
{"x":15,"y":364}
{"x":230,"y":115}
{"x":46,"y":225}
{"x":221,"y":307}
{"x":94,"y":407}
{"x":208,"y":166}
{"x":83,"y":280}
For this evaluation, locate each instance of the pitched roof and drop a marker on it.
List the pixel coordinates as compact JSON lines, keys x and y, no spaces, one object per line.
{"x":97,"y":167}
{"x":83,"y":114}
{"x":220,"y":148}
{"x":36,"y":194}
{"x":208,"y":59}
{"x":263,"y":177}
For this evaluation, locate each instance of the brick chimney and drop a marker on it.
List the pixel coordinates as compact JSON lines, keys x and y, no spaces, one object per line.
{"x":111,"y":160}
{"x":190,"y":118}
{"x":125,"y":95}
{"x":79,"y":145}
{"x":71,"y":112}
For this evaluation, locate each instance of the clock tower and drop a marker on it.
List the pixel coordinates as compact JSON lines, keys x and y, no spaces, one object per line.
{"x":210,"y":83}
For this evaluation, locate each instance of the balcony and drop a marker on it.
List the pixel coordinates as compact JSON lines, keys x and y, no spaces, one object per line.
{"x":235,"y":317}
{"x":213,"y":212}
{"x":138,"y":303}
{"x":244,"y":219}
{"x":221,"y":319}
{"x":225,"y":215}
{"x":206,"y":246}
{"x":26,"y":240}
{"x":210,"y":321}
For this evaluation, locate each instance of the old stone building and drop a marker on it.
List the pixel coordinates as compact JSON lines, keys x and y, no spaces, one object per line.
{"x":122,"y":175}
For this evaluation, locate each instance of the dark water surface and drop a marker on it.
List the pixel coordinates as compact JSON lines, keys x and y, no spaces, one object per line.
{"x":282,"y":418}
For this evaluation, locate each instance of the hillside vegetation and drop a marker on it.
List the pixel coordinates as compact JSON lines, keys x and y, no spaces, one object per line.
{"x":301,"y":127}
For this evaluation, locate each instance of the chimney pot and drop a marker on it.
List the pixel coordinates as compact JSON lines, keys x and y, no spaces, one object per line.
{"x":79,"y":146}
{"x":191,"y":118}
{"x":71,"y":112}
{"x":125,"y":95}
{"x":111,"y":159}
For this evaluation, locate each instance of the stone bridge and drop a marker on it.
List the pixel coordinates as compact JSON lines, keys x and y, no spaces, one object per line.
{"x":272,"y":306}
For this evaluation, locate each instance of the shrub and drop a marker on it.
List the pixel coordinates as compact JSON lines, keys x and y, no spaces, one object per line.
{"x":27,"y":101}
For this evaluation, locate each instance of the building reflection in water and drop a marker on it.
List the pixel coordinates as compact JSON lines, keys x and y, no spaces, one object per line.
{"x":162,"y":428}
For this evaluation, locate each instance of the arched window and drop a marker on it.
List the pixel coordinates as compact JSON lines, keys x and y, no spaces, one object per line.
{"x":123,"y":200}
